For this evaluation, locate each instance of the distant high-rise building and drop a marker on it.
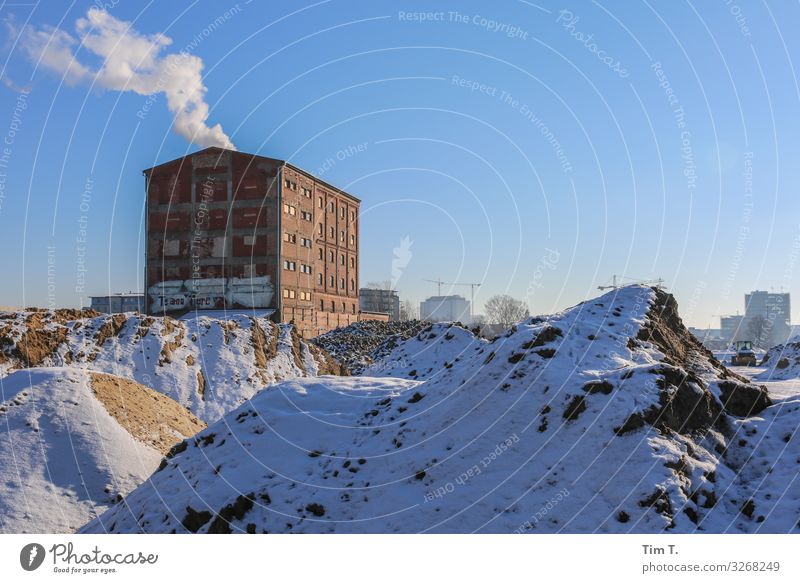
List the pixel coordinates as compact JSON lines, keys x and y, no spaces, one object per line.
{"x":775,"y":309}
{"x":445,"y":309}
{"x":380,"y":300}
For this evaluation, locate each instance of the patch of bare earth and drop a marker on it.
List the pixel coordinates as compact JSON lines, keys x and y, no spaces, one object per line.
{"x":150,"y":417}
{"x":265,"y":347}
{"x":171,"y":326}
{"x":38,"y":342}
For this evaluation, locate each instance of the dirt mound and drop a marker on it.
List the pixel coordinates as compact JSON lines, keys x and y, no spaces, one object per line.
{"x":149,"y":416}
{"x":75,"y":442}
{"x":362,"y":343}
{"x":209,"y":365}
{"x":665,"y":329}
{"x":601,"y":418}
{"x":782,"y":362}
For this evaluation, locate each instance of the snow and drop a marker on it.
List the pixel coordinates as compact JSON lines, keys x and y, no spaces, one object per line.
{"x":169,"y":355}
{"x":426,"y":355}
{"x":64,"y":459}
{"x":522,"y":434}
{"x":781,"y":362}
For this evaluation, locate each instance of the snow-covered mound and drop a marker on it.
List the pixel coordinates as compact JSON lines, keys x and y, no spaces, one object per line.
{"x":209,"y":365}
{"x":607,"y":417}
{"x":73,"y":442}
{"x":433,"y":350}
{"x":361,"y":344}
{"x":782,"y":362}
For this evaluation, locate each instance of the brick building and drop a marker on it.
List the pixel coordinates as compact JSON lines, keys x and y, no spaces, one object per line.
{"x":230,"y":230}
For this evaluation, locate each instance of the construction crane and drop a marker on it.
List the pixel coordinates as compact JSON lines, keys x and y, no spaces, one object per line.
{"x":615,"y":282}
{"x":439,"y":283}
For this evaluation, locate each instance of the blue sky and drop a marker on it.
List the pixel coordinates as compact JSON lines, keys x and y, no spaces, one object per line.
{"x":536,"y":148}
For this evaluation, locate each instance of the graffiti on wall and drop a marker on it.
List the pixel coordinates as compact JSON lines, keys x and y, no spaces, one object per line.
{"x":211,"y":293}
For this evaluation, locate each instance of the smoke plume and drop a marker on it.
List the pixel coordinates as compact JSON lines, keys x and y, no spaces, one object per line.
{"x":131,"y":61}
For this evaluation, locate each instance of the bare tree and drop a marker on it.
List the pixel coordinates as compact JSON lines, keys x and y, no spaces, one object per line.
{"x":409,"y":310}
{"x":505,"y":310}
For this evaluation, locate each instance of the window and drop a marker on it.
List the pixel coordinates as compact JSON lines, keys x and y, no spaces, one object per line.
{"x":341,"y":236}
{"x":344,"y":307}
{"x":320,"y":204}
{"x":352,"y":285}
{"x":321,"y":253}
{"x":333,"y":232}
{"x":341,"y":283}
{"x":288,"y":237}
{"x":331,"y":208}
{"x":342,"y":212}
{"x":289,"y":293}
{"x":320,"y":230}
{"x":290,"y":184}
{"x":322,"y":305}
{"x":305,"y":268}
{"x":352,"y":216}
{"x":330,"y":255}
{"x":319,"y":278}
{"x":305,"y":242}
{"x":353,"y":262}
{"x":330,"y":281}
{"x":305,"y":296}
{"x":352,"y":239}
{"x":289,"y":265}
{"x":333,"y":306}
{"x":341,"y":259}
{"x":354,"y":308}
{"x":249,"y":240}
{"x":306,"y":216}
{"x":306,"y":192}
{"x":289,"y":209}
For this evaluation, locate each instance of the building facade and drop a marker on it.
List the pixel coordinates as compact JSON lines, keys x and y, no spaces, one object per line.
{"x":775,"y":309}
{"x":117,"y":303}
{"x":384,"y":301}
{"x":230,"y":230}
{"x":453,"y":308}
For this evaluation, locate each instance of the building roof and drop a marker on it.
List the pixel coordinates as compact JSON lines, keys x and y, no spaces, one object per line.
{"x":281,"y":162}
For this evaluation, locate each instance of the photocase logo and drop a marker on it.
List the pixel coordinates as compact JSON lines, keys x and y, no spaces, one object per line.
{"x":31,"y":556}
{"x":401,"y":258}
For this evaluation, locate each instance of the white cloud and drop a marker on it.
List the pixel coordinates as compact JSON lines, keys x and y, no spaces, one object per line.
{"x":131,"y":61}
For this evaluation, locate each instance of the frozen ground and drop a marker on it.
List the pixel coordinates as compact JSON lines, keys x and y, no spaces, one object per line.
{"x":607,"y":417}
{"x":210,"y":365}
{"x":67,"y":455}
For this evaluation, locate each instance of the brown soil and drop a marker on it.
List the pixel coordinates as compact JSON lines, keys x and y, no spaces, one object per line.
{"x":169,"y":346}
{"x":201,"y":384}
{"x":36,"y":344}
{"x":265,"y":346}
{"x":228,"y":329}
{"x":665,"y":329}
{"x":297,"y":349}
{"x":144,"y":326}
{"x":66,"y":315}
{"x":150,"y":417}
{"x":111,"y":327}
{"x":326,"y":363}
